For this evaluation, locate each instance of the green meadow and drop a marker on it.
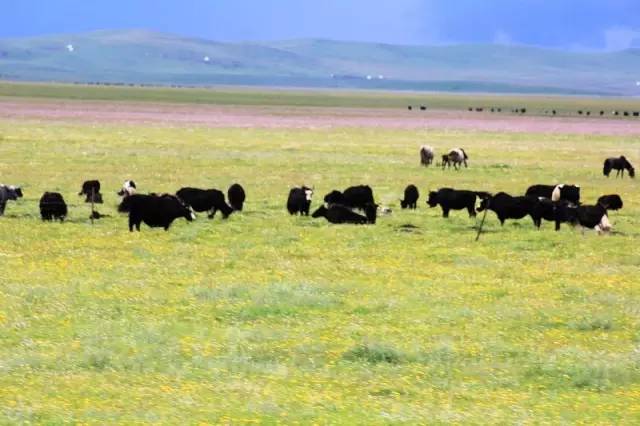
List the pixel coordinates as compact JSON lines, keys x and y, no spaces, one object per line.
{"x":272,"y":319}
{"x":252,"y":96}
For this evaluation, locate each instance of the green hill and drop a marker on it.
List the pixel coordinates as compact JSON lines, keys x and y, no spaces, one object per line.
{"x":139,"y":56}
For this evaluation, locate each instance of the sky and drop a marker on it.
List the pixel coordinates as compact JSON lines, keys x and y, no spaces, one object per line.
{"x":572,"y":24}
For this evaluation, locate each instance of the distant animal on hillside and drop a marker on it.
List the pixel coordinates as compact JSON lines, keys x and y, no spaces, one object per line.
{"x":411,"y":196}
{"x":610,"y":202}
{"x":453,"y":199}
{"x":52,"y":206}
{"x":338,"y":214}
{"x":455,"y":157}
{"x":202,"y":200}
{"x":236,"y":196}
{"x":7,"y":193}
{"x":156,"y":211}
{"x":299,"y":200}
{"x":569,"y":193}
{"x":619,"y":164}
{"x":128,"y":188}
{"x":426,"y":155}
{"x":91,"y":191}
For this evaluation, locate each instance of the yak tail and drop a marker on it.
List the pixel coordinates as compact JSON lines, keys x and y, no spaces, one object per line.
{"x":464,"y":154}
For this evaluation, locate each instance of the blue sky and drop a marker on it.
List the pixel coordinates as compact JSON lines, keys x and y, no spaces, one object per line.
{"x":576,"y":24}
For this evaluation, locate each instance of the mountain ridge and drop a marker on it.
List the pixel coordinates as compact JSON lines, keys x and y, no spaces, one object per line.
{"x":134,"y":56}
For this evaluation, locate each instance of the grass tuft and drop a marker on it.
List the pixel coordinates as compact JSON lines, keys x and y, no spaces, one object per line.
{"x":374,"y":353}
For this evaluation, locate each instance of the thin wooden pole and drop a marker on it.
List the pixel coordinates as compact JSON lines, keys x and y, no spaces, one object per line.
{"x":483,"y":218}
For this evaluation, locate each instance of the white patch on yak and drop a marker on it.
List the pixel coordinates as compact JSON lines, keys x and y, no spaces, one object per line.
{"x":555,"y":195}
{"x":604,"y":225}
{"x":128,"y":188}
{"x":308,"y":194}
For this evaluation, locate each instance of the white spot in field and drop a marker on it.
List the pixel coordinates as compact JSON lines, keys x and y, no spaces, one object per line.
{"x":381,"y":77}
{"x":637,"y":83}
{"x":369,"y":77}
{"x":70,"y":48}
{"x":206,"y":59}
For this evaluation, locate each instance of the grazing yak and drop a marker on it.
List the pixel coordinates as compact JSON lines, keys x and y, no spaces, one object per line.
{"x":8,"y":192}
{"x":455,"y":157}
{"x":570,"y":193}
{"x":339,"y":214}
{"x":554,"y":211}
{"x":202,"y":200}
{"x":91,"y":191}
{"x":52,"y":206}
{"x":355,"y":197}
{"x":610,"y":202}
{"x":592,"y":217}
{"x":299,"y":200}
{"x":452,"y":199}
{"x":157,"y":211}
{"x":620,"y":165}
{"x":128,"y":188}
{"x":506,"y":207}
{"x":411,"y":196}
{"x":426,"y":155}
{"x":509,"y":207}
{"x":236,"y":196}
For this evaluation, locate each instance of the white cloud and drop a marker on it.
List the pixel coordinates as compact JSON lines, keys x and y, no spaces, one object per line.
{"x":618,"y":38}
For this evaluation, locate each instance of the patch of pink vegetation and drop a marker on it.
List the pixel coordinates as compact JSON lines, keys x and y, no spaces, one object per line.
{"x":306,"y":118}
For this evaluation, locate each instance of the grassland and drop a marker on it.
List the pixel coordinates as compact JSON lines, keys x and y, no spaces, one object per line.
{"x":536,"y":105}
{"x":268,"y":318}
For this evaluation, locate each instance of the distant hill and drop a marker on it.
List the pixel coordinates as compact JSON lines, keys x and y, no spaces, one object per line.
{"x":140,"y":56}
